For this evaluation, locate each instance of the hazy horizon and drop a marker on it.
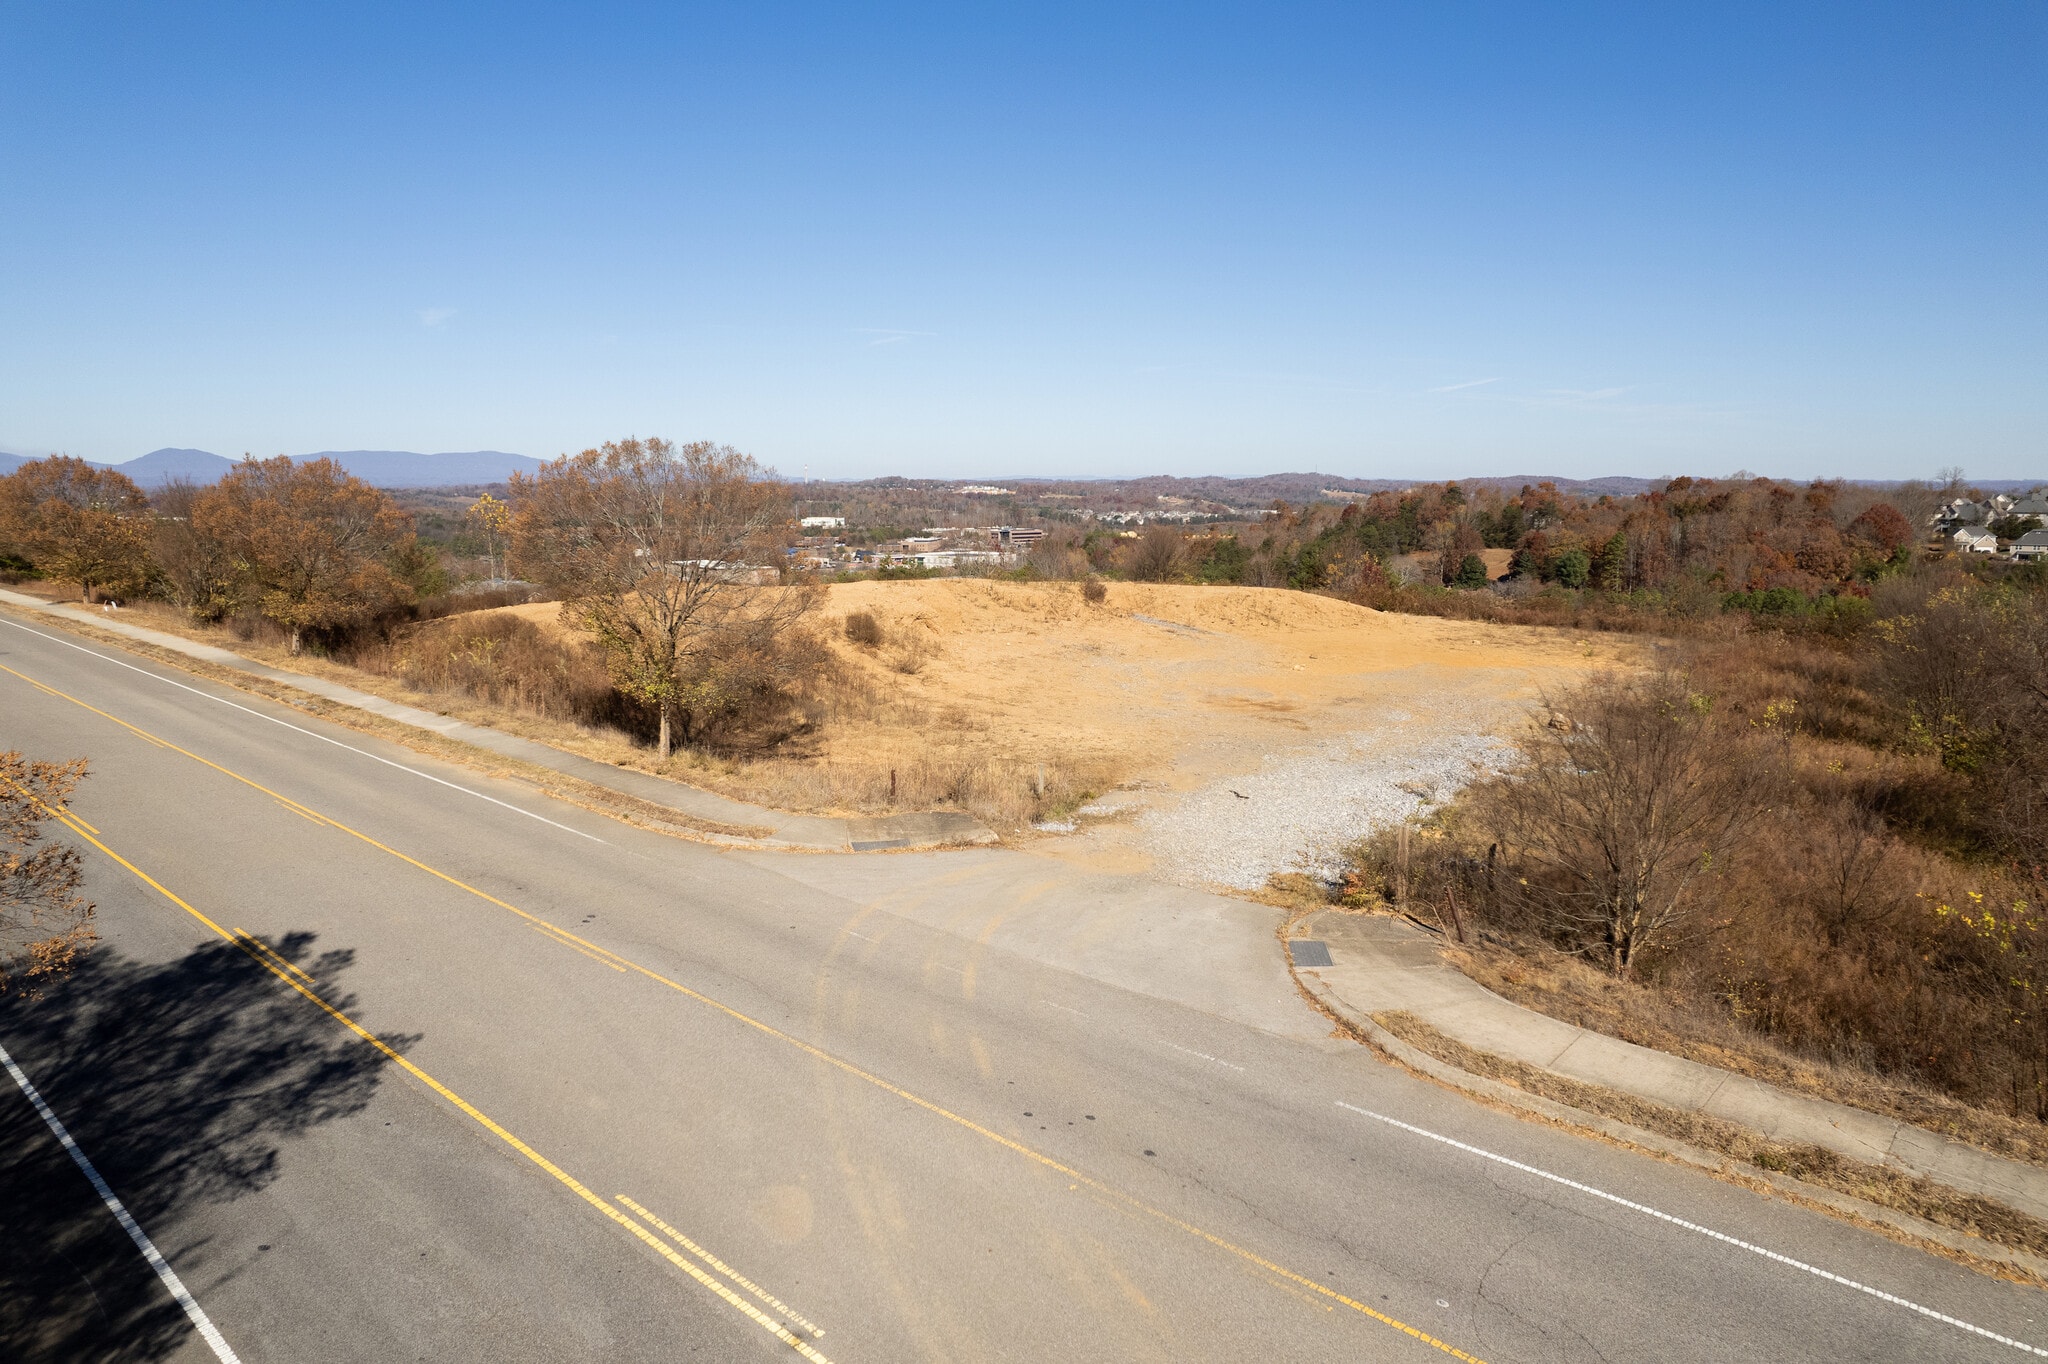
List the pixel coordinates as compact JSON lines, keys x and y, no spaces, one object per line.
{"x":1098,"y":477}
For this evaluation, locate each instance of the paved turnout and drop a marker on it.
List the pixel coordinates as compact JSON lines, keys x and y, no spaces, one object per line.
{"x":388,"y":1071}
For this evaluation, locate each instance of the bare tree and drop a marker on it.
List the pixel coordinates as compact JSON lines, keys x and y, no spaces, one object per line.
{"x":78,"y":522}
{"x":1852,"y":866}
{"x":315,"y":547}
{"x":1626,"y":813}
{"x":1159,"y":556}
{"x":44,"y":922}
{"x":654,"y":548}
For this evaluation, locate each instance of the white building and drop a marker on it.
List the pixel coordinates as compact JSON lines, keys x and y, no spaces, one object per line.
{"x":823,"y":523}
{"x":1967,"y":541}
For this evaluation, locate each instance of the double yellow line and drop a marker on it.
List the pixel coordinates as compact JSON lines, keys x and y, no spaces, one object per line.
{"x":269,"y":959}
{"x":286,"y":973}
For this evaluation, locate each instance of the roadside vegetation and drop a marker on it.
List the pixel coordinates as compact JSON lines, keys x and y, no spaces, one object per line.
{"x":664,"y":631}
{"x":1814,"y":855}
{"x":1809,"y":840}
{"x":45,"y":923}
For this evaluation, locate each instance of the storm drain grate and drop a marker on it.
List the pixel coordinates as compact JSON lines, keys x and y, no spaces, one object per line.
{"x":1309,"y":952}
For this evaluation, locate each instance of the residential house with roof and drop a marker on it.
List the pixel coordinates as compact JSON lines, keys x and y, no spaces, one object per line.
{"x":1969,"y":540}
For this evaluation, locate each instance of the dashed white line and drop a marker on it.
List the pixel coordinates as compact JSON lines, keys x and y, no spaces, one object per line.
{"x":1062,"y":1008}
{"x":1203,"y":1054}
{"x":200,"y":1321}
{"x":1709,"y":1232}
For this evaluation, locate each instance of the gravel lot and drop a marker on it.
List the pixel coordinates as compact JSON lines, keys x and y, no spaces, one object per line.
{"x":1300,"y":810}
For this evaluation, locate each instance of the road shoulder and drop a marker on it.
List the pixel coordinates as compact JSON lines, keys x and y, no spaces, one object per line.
{"x":667,"y":805}
{"x":1382,"y":980}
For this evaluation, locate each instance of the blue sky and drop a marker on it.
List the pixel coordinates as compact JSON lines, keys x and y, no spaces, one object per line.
{"x":960,"y":240}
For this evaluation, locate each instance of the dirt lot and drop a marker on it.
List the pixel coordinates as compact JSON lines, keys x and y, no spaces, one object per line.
{"x":1213,"y":734}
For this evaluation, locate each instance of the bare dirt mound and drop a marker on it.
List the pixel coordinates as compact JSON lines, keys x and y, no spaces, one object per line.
{"x":1215,"y":734}
{"x":1253,"y":731}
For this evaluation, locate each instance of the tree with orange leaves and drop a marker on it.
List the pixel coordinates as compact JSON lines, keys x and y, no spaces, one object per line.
{"x":315,"y":548}
{"x":89,"y":525}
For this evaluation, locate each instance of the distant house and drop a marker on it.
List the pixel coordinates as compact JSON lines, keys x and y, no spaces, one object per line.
{"x":719,"y":570}
{"x":1968,"y":541}
{"x":2032,"y":545}
{"x":823,"y":523}
{"x":2031,"y":506}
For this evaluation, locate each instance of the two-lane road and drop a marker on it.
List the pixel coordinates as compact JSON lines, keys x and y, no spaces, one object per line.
{"x":661,"y":1101}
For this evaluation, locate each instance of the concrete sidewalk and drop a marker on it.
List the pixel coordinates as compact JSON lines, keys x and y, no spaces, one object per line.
{"x":1378,"y":964}
{"x":732,"y":820}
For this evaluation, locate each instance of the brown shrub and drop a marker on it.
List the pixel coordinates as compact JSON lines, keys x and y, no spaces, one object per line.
{"x":1159,"y":555}
{"x":1093,"y":592}
{"x":44,"y":921}
{"x":504,"y":660}
{"x":1884,"y":918}
{"x":863,"y":629}
{"x":1624,"y":823}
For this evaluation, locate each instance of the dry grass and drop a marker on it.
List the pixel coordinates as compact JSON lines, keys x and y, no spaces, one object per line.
{"x":1923,"y":1198}
{"x":967,"y":690}
{"x":1680,"y":1023}
{"x":1861,"y":944}
{"x":574,"y":790}
{"x":509,"y":671}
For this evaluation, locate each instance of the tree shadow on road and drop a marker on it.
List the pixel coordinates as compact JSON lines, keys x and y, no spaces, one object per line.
{"x":181,"y":1081}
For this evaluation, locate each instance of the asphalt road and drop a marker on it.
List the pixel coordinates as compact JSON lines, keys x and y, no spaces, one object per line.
{"x":661,"y":1101}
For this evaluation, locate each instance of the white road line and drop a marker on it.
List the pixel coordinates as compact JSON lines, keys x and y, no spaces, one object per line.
{"x":1203,"y":1054}
{"x":200,"y":1321}
{"x":1050,"y":1005}
{"x":1709,"y":1232}
{"x":298,"y":730}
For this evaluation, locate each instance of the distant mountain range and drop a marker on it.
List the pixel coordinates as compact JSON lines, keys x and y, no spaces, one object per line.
{"x":382,"y":468}
{"x":409,"y":469}
{"x":1293,"y":487}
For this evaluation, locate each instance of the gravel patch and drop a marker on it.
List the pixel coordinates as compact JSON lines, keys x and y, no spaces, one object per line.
{"x":1301,"y":810}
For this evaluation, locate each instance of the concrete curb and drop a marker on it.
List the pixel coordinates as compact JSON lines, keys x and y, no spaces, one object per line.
{"x":1380,"y":964}
{"x":712,"y":818}
{"x":2018,"y":1263}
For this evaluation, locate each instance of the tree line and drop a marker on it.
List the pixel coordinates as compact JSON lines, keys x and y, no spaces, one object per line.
{"x":1691,"y":548}
{"x":304,"y":544}
{"x":668,"y":555}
